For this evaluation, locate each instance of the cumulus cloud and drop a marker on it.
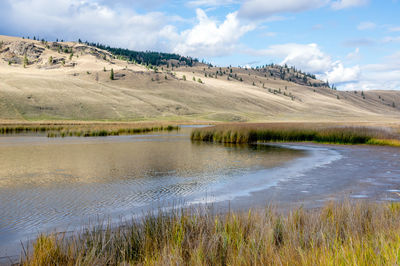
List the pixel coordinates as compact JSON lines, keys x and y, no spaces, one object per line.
{"x":340,"y":74}
{"x":382,"y":76}
{"x":119,"y":26}
{"x":210,"y":38}
{"x":307,"y":57}
{"x":310,"y":58}
{"x":342,"y":4}
{"x":91,"y":20}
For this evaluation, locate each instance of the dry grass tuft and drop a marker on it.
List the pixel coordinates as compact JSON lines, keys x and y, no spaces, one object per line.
{"x":338,"y":234}
{"x":251,"y":133}
{"x":84,"y":130}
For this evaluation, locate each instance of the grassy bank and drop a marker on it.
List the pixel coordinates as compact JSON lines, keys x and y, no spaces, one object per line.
{"x":338,"y":234}
{"x":251,"y":133}
{"x":84,"y":130}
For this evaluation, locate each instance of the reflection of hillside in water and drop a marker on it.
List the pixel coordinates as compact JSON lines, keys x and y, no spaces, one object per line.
{"x":63,"y":163}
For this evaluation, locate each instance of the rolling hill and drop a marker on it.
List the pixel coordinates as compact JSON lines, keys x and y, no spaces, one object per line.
{"x":71,"y":81}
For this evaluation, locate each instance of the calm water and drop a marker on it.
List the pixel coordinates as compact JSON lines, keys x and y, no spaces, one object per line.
{"x":60,"y":184}
{"x":56,"y":184}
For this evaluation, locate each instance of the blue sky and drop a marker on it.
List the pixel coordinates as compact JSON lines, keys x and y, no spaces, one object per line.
{"x":352,"y":43}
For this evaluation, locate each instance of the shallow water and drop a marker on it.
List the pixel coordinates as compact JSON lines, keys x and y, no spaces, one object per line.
{"x":56,"y":184}
{"x":60,"y":184}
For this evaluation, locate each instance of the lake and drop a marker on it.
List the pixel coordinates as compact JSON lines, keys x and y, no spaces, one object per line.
{"x":60,"y":184}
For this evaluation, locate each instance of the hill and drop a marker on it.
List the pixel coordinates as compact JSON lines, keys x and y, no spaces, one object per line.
{"x":71,"y":81}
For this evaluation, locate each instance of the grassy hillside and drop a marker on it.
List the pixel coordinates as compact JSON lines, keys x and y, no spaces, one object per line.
{"x":71,"y":81}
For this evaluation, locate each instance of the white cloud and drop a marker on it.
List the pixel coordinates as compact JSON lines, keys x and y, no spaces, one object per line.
{"x":307,"y":57}
{"x":342,"y":4}
{"x":310,"y":58}
{"x":380,"y":76}
{"x":340,"y":74}
{"x":366,"y":25}
{"x":210,"y":38}
{"x":261,"y":9}
{"x":89,"y":20}
{"x":123,"y":27}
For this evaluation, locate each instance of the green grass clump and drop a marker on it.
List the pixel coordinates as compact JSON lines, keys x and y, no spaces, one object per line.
{"x":338,"y":234}
{"x":291,"y":133}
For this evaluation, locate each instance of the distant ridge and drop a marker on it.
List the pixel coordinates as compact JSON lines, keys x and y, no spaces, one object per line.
{"x":147,"y":57}
{"x":42,"y":80}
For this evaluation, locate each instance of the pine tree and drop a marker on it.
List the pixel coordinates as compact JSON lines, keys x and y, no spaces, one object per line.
{"x":112,"y":74}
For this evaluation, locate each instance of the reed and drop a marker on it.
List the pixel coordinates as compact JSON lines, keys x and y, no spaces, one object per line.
{"x":84,"y":130}
{"x":253,"y":133}
{"x":339,"y":234}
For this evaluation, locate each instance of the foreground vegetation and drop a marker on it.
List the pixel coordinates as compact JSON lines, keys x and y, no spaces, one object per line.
{"x":338,"y":234}
{"x":252,"y":133}
{"x":83,"y":130}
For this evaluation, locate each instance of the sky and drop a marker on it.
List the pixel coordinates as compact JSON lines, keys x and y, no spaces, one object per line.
{"x":354,"y":44}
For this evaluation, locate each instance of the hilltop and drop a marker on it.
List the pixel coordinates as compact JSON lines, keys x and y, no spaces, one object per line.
{"x":71,"y":81}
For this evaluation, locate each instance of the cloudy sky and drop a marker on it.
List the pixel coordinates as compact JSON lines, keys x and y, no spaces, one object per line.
{"x":354,"y":44}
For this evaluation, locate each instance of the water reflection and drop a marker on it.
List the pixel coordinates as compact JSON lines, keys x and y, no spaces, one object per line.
{"x":46,"y":183}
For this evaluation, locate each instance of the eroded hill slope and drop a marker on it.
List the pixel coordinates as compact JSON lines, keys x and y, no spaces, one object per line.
{"x":71,"y":81}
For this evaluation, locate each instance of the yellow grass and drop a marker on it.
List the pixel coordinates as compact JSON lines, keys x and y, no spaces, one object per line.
{"x":339,"y":234}
{"x":84,"y":129}
{"x":297,"y":132}
{"x":61,"y":92}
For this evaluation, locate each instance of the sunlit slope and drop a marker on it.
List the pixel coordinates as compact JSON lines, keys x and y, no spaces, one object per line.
{"x":71,"y":81}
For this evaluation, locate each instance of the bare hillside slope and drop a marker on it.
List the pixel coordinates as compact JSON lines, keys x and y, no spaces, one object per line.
{"x":71,"y":81}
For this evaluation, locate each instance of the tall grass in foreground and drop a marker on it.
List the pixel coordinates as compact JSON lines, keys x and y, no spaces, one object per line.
{"x":291,"y":133}
{"x":338,"y":234}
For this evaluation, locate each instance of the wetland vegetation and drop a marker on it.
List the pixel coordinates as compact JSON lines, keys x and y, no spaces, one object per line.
{"x":339,"y":234}
{"x":84,"y":130}
{"x":296,"y":132}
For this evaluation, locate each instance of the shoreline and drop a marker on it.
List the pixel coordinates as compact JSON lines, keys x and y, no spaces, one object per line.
{"x":295,"y":197}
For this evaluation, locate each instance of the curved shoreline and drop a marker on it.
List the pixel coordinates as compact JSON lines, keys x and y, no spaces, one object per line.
{"x":307,"y":181}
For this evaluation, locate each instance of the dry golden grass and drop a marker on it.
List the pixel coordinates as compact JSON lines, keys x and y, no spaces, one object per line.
{"x":85,"y":92}
{"x":339,"y":234}
{"x":84,"y":129}
{"x":295,"y":132}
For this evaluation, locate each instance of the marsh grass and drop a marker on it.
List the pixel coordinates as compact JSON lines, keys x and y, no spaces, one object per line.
{"x":252,"y":133}
{"x":339,"y":234}
{"x":84,"y":130}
